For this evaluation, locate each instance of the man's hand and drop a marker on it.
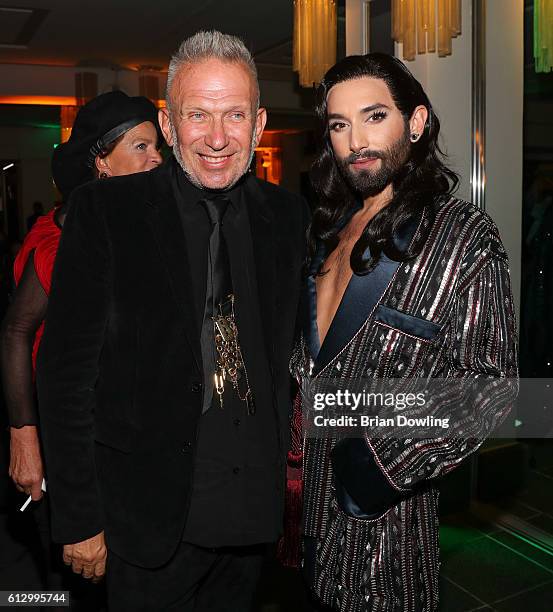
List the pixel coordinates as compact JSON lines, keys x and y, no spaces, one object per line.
{"x":26,"y":469}
{"x":87,"y":558}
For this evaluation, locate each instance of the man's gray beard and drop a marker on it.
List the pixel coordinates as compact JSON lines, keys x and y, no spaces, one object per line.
{"x":193,"y":179}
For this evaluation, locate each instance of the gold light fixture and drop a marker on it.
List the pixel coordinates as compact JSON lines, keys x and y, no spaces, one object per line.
{"x":417,"y":23}
{"x":314,"y":39}
{"x":543,"y":35}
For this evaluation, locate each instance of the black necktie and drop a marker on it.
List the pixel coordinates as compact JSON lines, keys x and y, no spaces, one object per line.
{"x":219,"y":286}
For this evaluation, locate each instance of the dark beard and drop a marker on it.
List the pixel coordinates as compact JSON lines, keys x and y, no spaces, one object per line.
{"x":369,"y":183}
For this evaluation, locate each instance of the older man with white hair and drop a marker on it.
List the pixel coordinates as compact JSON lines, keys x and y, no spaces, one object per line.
{"x":163,"y":376}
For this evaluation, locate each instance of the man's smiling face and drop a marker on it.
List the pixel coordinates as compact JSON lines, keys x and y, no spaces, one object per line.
{"x":212,"y":124}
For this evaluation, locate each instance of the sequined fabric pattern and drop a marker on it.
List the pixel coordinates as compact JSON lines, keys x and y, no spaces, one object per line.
{"x":460,"y":282}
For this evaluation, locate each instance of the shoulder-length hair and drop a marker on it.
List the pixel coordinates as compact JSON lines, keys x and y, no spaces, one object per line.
{"x":423,"y":179}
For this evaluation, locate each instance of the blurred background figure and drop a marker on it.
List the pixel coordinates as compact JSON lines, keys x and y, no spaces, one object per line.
{"x":113,"y":135}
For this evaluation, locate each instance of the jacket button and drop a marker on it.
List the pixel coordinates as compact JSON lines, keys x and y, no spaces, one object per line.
{"x":196,"y":387}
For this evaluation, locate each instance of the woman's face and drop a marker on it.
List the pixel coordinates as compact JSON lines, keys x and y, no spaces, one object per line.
{"x":135,"y":152}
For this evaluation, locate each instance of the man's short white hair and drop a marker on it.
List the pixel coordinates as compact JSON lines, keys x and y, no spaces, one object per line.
{"x":206,"y":45}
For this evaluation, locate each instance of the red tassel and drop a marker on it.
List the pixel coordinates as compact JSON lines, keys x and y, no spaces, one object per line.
{"x":289,"y":546}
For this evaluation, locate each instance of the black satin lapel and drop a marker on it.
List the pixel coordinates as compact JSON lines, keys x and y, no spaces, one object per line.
{"x":263,"y":243}
{"x":166,"y":224}
{"x":361,"y":296}
{"x":309,"y":293}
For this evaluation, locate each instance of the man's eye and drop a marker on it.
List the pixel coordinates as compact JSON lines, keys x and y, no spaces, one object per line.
{"x":142,"y":146}
{"x":337,"y":127}
{"x":378,"y":116}
{"x":196,"y":116}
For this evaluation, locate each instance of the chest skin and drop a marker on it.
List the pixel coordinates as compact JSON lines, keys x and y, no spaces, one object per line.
{"x":337,"y":272}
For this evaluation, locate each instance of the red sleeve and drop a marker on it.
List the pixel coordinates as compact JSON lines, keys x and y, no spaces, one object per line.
{"x":45,"y":256}
{"x":43,"y":238}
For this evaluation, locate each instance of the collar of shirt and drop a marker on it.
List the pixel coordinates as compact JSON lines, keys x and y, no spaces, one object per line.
{"x":191,"y":193}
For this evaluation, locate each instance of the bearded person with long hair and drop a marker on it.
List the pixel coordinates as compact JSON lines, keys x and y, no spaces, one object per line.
{"x":404,"y":282}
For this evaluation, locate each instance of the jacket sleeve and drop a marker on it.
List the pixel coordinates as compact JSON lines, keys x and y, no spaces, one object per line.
{"x":483,"y":348}
{"x":68,"y":365}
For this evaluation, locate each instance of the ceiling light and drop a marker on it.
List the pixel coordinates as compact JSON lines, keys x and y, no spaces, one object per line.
{"x":415,"y":23}
{"x":314,"y":39}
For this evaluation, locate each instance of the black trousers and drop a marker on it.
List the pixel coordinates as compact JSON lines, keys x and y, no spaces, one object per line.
{"x":195,"y":579}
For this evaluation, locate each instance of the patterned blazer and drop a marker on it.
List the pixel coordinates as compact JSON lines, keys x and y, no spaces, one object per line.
{"x":448,"y":313}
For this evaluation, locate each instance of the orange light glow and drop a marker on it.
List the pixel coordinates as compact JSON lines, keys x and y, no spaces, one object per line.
{"x":52,"y":100}
{"x":67,"y":118}
{"x":40,"y":100}
{"x":268,"y":164}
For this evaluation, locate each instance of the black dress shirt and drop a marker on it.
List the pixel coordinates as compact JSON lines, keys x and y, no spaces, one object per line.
{"x":236,"y":474}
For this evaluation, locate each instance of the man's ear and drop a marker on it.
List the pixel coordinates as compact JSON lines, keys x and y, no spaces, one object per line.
{"x":418,"y":121}
{"x":165,"y":125}
{"x":260,"y":122}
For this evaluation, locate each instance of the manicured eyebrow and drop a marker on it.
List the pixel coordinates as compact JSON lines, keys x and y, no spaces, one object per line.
{"x":373,"y":107}
{"x":367,"y":109}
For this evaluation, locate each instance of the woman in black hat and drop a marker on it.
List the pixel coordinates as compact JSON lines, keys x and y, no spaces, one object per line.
{"x":113,"y":135}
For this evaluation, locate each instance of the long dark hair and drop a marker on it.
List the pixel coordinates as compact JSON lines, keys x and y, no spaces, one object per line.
{"x":423,"y":179}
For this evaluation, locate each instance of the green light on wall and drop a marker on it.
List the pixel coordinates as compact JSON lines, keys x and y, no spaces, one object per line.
{"x":543,"y":35}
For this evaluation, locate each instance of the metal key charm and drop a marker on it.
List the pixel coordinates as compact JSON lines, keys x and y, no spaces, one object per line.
{"x":230,"y":364}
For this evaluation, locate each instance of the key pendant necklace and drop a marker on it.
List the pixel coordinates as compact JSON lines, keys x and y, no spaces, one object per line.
{"x":230,"y":363}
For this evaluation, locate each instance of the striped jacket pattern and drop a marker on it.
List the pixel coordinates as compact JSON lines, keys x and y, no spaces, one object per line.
{"x":459,"y":284}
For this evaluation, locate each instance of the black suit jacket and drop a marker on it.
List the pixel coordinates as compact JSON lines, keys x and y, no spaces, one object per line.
{"x":120,"y":372}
